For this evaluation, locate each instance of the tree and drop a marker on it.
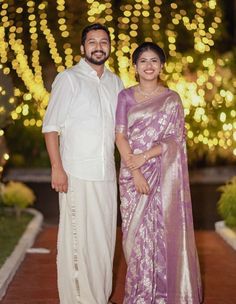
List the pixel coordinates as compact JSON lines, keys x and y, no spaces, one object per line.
{"x":6,"y":106}
{"x":35,"y":45}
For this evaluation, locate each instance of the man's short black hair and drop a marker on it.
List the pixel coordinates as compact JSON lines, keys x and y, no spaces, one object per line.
{"x":94,"y":27}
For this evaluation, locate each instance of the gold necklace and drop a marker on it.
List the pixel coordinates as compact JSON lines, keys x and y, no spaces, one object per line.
{"x":148,"y":94}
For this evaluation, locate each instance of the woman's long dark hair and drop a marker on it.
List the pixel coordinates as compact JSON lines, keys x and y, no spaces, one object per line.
{"x":148,"y":46}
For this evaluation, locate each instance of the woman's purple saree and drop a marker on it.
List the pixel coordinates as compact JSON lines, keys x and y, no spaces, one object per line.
{"x":158,"y":235}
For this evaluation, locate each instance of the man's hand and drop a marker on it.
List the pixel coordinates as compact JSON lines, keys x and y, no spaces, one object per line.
{"x":59,"y":180}
{"x":140,"y":183}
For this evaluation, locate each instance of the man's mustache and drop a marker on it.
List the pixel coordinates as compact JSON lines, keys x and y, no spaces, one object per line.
{"x":98,"y":52}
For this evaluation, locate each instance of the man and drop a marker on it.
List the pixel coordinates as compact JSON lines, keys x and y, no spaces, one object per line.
{"x":81,"y":110}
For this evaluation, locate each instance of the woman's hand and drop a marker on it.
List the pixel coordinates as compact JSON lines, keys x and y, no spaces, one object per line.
{"x":140,"y":183}
{"x":136,"y":161}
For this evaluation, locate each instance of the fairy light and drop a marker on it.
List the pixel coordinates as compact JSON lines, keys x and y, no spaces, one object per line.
{"x":65,"y":34}
{"x":34,"y":43}
{"x":206,"y":85}
{"x":101,"y":12}
{"x":50,"y":39}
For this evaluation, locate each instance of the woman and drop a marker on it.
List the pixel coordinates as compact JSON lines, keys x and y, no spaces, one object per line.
{"x":157,"y":225}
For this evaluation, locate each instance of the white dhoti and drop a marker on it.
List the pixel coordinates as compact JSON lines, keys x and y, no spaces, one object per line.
{"x":86,"y":241}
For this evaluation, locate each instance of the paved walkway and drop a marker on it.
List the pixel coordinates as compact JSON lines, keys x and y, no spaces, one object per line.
{"x":35,"y":281}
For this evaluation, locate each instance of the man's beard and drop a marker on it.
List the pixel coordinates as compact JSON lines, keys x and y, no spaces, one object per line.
{"x":97,"y":61}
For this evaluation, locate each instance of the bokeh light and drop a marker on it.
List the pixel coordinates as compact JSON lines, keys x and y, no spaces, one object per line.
{"x":37,"y":37}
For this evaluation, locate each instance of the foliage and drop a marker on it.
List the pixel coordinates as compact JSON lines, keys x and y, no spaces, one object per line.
{"x":227,"y":202}
{"x":40,"y":38}
{"x":17,"y":195}
{"x":1,"y":191}
{"x":10,"y":232}
{"x":6,"y":99}
{"x":7,"y":104}
{"x":30,"y":154}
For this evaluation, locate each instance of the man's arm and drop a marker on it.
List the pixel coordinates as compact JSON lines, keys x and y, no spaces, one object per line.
{"x":59,"y":180}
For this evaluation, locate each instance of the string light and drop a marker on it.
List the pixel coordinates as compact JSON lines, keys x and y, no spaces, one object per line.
{"x":205,"y":83}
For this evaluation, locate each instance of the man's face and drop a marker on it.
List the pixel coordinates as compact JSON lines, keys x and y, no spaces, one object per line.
{"x":97,"y":47}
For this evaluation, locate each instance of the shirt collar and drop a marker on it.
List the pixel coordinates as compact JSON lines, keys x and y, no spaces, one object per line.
{"x":85,"y":68}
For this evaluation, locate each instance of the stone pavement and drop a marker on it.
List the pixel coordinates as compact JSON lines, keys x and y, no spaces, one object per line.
{"x":35,"y":281}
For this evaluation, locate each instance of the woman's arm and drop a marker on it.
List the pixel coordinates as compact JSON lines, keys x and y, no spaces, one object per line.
{"x":123,"y":146}
{"x":135,"y":161}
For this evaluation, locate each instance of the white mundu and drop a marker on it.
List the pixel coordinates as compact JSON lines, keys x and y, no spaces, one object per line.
{"x":86,"y":242}
{"x":82,"y":110}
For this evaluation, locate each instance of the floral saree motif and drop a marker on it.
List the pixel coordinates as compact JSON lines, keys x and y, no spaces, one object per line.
{"x":158,"y":235}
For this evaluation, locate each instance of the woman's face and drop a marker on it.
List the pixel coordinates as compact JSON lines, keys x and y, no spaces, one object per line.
{"x":148,"y":66}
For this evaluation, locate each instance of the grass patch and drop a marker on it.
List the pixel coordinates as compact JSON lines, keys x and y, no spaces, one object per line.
{"x":11,"y":229}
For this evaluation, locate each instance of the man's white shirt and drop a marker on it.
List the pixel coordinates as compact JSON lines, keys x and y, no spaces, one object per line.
{"x":82,"y":110}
